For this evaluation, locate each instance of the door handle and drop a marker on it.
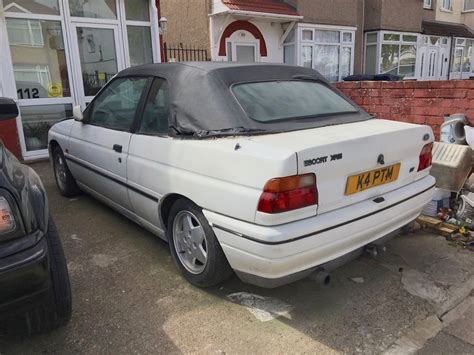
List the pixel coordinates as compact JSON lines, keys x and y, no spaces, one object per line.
{"x":118,"y":148}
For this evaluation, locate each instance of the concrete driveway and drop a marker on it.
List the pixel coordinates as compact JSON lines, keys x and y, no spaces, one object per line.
{"x":129,"y":298}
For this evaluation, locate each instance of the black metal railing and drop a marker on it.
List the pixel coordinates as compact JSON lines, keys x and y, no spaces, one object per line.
{"x":94,"y":82}
{"x":182,"y":53}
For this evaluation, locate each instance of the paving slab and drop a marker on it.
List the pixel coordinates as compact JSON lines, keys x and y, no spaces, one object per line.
{"x":459,"y":322}
{"x":443,"y":344}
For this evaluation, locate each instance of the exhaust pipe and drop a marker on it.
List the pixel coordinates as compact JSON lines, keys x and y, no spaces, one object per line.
{"x":321,"y":276}
{"x":374,"y":250}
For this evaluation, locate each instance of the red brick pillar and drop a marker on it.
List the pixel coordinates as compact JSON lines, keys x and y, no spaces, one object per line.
{"x":9,"y":136}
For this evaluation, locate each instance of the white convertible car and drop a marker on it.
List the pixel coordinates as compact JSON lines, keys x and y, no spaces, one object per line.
{"x":264,"y":170}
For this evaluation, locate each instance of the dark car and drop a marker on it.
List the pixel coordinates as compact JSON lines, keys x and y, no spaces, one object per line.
{"x":35,"y":294}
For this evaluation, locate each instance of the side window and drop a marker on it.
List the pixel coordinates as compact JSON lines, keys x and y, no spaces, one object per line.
{"x":115,"y":107}
{"x":156,"y":112}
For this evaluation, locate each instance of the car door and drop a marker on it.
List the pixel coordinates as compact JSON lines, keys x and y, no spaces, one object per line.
{"x":99,"y":144}
{"x":147,"y":174}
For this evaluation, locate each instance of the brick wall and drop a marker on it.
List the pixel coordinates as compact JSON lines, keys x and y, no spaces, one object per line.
{"x":9,"y":136}
{"x":423,"y":102}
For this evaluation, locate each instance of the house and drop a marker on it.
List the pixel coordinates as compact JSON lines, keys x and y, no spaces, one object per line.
{"x":59,"y":53}
{"x":460,"y":15}
{"x":423,"y":41}
{"x":233,"y":30}
{"x":329,"y":37}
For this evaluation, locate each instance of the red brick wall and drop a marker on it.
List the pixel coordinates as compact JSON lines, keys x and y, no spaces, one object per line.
{"x":9,"y":136}
{"x":424,"y":102}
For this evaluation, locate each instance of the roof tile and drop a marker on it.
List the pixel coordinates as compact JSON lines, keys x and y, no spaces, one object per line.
{"x":266,"y":6}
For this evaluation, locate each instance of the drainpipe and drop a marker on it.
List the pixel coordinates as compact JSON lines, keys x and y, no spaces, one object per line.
{"x":362,"y":61}
{"x":160,"y":35}
{"x":451,"y":55}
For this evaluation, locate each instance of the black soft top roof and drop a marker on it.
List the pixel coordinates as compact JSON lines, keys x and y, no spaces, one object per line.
{"x":202,"y":103}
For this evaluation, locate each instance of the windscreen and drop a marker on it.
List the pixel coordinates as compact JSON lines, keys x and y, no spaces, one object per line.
{"x":286,"y":100}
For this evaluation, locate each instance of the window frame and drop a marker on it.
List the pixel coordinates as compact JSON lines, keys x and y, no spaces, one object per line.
{"x":464,"y":7}
{"x":141,"y":109}
{"x":67,"y":22}
{"x":446,"y":9}
{"x":88,"y":111}
{"x":428,"y":4}
{"x":380,"y":42}
{"x":342,"y":30}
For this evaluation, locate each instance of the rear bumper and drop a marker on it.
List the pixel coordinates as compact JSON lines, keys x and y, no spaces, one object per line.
{"x":24,"y":278}
{"x":270,"y":256}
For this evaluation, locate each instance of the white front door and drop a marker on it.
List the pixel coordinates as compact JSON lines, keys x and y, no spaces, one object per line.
{"x":97,"y":58}
{"x":245,"y":53}
{"x":431,"y":63}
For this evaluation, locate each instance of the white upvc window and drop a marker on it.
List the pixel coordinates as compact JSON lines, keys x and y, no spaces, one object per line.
{"x":391,"y":53}
{"x":328,"y":49}
{"x":468,"y":5}
{"x":446,"y":5}
{"x":427,"y":4}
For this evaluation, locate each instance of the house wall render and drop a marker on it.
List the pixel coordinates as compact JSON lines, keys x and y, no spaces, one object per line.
{"x":188,"y":22}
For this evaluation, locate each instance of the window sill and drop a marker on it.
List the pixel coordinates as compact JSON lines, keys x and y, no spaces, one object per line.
{"x":428,"y":8}
{"x":445,"y":10}
{"x":467,"y":11}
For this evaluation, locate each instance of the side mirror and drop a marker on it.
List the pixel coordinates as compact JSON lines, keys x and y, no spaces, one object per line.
{"x":8,"y":109}
{"x":77,"y":113}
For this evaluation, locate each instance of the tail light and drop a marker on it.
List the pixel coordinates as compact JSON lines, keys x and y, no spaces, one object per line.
{"x":425,"y":157}
{"x":288,"y":193}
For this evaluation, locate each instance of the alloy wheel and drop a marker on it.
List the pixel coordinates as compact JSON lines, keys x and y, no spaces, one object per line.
{"x":189,"y":240}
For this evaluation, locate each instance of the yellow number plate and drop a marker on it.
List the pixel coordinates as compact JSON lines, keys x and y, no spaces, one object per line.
{"x":369,"y":179}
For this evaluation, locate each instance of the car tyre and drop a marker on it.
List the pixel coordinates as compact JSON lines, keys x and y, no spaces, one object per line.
{"x":194,"y":246}
{"x":64,"y":180}
{"x":56,"y":310}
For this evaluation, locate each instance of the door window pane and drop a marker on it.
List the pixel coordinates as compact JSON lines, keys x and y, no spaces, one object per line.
{"x":307,"y":35}
{"x":326,"y":61}
{"x":37,"y":120}
{"x":44,"y":7}
{"x":156,"y":112}
{"x":466,"y":66}
{"x":39,"y":61}
{"x":346,"y":59}
{"x":307,"y":56}
{"x":139,"y":45}
{"x":407,"y":60}
{"x":410,"y":38}
{"x":93,"y":9}
{"x":137,"y":10}
{"x":372,"y":38}
{"x":291,"y":36}
{"x":347,"y":37}
{"x":289,"y":54}
{"x":327,"y":36}
{"x":98,"y":57}
{"x":115,"y":107}
{"x":370,"y":59}
{"x":434,"y":40}
{"x":391,"y":37}
{"x":457,"y":60}
{"x":390,"y":59}
{"x":245,"y":54}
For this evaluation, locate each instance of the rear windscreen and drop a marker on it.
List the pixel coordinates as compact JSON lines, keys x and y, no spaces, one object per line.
{"x":285,"y":100}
